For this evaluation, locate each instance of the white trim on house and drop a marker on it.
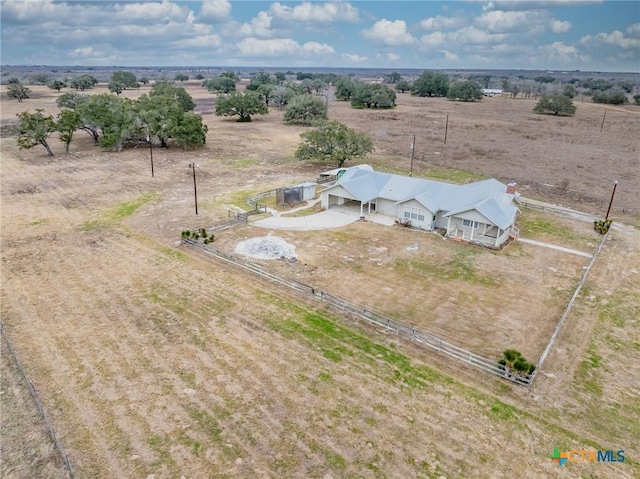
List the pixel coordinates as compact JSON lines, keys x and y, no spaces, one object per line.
{"x":481,"y":212}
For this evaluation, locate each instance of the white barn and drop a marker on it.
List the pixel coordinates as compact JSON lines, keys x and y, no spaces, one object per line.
{"x":482,"y":212}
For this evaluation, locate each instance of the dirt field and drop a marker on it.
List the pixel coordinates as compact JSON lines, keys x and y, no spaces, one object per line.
{"x":456,"y":291}
{"x":151,"y":360}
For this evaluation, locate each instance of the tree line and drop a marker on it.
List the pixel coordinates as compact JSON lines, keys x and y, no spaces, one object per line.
{"x":166,"y":113}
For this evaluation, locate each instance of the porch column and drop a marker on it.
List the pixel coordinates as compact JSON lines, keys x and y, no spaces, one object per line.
{"x":498,"y":237}
{"x":369,"y":207}
{"x":472,"y":230}
{"x":448,"y":225}
{"x":361,"y":205}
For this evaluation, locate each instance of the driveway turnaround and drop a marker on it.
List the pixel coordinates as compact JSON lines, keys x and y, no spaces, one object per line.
{"x":319,"y":221}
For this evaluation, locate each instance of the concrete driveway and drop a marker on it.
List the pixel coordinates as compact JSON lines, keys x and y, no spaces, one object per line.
{"x":319,"y":221}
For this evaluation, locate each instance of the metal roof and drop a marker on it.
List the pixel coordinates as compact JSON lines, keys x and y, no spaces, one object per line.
{"x":488,"y":197}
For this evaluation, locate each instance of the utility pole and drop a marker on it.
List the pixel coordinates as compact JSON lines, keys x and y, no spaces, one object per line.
{"x":446,"y":129}
{"x":611,"y":201}
{"x":413,"y":152}
{"x":195,"y":190}
{"x":150,"y":152}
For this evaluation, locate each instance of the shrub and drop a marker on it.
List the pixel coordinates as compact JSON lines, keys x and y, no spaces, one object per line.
{"x":514,"y":362}
{"x":602,"y":226}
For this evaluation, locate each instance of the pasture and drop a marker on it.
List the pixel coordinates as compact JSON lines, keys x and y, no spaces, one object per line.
{"x":151,"y":360}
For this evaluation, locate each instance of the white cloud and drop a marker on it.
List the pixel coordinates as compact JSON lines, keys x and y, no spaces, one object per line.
{"x":390,"y":33}
{"x":441,"y":23}
{"x":260,"y":26}
{"x":433,"y":39}
{"x":203,"y":41}
{"x":94,"y":55}
{"x":281,"y":47}
{"x":215,"y":10}
{"x":560,"y":53}
{"x":330,"y":12}
{"x":354,"y":58}
{"x":503,"y":22}
{"x":450,"y":56}
{"x":473,"y":35}
{"x":615,"y":38}
{"x":519,"y":5}
{"x":558,"y":26}
{"x":393,"y":57}
{"x":618,"y":39}
{"x":634,"y":30}
{"x":85,"y":52}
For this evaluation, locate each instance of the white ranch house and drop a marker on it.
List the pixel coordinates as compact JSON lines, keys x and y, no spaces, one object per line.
{"x":482,"y":212}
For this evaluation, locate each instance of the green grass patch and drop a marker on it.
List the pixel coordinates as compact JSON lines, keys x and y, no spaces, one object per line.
{"x":503,"y":411}
{"x":173,"y":254}
{"x":621,"y":306}
{"x":207,"y":424}
{"x":120,"y":211}
{"x":587,"y":375}
{"x":161,"y":445}
{"x":239,"y":198}
{"x":336,"y":341}
{"x":534,"y":224}
{"x":461,"y":267}
{"x":243,"y":163}
{"x":126,"y":209}
{"x":452,"y":175}
{"x":312,"y":210}
{"x":189,"y":378}
{"x":441,"y":173}
{"x":38,"y":222}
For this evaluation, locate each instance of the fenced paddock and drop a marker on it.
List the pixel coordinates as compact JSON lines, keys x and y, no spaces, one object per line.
{"x":413,"y":334}
{"x":407,"y":332}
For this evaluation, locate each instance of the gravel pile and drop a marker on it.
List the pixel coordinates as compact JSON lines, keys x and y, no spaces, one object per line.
{"x":267,"y":247}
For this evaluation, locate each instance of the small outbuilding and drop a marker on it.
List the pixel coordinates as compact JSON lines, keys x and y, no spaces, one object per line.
{"x":296,"y":194}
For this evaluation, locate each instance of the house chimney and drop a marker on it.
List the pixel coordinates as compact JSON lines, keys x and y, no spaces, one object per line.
{"x":512,"y":188}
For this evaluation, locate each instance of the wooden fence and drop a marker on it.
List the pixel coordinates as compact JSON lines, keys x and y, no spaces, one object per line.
{"x":253,"y":200}
{"x":36,"y":399}
{"x":567,"y":310}
{"x":419,"y":337}
{"x":558,"y":211}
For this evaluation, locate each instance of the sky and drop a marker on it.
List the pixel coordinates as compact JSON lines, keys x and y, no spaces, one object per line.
{"x":587,"y":35}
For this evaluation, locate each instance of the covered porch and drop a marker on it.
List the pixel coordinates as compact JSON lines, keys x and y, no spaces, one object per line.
{"x":480,"y":232}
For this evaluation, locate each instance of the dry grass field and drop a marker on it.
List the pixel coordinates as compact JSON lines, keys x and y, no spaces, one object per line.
{"x":153,"y":361}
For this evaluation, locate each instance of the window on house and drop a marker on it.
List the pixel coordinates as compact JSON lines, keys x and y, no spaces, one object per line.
{"x":470,"y":224}
{"x":414,"y":213}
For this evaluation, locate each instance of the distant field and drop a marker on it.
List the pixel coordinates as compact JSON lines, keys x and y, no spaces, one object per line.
{"x":150,"y":359}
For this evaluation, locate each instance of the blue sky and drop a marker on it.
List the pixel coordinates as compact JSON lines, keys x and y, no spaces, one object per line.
{"x":588,"y":35}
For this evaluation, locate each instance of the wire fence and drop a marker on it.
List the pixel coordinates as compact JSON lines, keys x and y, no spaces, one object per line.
{"x":34,"y":395}
{"x":419,"y":337}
